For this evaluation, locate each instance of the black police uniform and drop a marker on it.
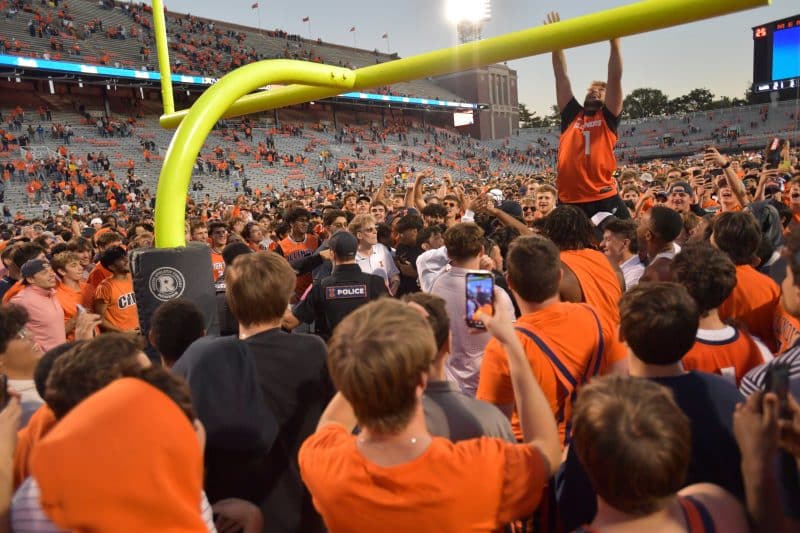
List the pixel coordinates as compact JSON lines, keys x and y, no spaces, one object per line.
{"x":334,"y":297}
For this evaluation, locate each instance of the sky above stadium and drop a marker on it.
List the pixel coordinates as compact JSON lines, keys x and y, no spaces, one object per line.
{"x":716,"y":54}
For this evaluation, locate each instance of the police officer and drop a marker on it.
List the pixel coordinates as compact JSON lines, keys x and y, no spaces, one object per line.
{"x":334,"y":297}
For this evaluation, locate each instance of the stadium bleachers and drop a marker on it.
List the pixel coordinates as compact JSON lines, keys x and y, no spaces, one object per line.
{"x":191,"y":39}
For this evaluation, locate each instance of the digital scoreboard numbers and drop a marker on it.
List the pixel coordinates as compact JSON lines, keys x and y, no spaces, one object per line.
{"x":776,"y":55}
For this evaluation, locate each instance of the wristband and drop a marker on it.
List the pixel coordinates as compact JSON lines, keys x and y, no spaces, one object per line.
{"x":726,"y":165}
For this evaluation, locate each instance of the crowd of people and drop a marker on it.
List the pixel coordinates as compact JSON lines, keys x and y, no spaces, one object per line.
{"x":630,"y":360}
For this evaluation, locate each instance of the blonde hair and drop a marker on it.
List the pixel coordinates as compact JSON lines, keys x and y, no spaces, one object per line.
{"x":359,"y":222}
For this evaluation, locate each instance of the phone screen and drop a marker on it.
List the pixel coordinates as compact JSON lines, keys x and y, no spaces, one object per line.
{"x":777,"y":380}
{"x":480,"y":296}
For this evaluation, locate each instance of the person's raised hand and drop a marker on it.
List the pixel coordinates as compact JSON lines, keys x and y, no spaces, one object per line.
{"x":755,"y":426}
{"x":85,"y":326}
{"x":712,"y":157}
{"x":500,"y":325}
{"x":552,"y":18}
{"x":483,"y":204}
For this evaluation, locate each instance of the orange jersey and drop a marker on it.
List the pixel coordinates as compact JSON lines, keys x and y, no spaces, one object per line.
{"x":753,"y":302}
{"x":598,"y":280}
{"x":121,"y":310}
{"x":217,"y":264}
{"x":786,"y":329}
{"x":577,"y":356}
{"x":586,"y":161}
{"x":294,"y":251}
{"x":731,"y":358}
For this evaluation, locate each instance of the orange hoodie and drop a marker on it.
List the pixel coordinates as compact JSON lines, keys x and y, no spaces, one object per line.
{"x":125,"y":460}
{"x":38,"y":426}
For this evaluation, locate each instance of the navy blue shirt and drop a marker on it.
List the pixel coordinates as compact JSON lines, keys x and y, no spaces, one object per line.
{"x":708,"y":400}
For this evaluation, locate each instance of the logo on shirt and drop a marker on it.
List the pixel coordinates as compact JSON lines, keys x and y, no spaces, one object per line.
{"x":340,"y":292}
{"x":166,"y":283}
{"x":126,"y":300}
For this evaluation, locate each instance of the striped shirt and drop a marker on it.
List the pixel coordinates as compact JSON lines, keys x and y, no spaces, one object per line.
{"x":755,"y":379}
{"x":27,"y":515}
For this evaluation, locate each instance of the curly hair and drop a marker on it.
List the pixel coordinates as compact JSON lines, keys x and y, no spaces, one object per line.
{"x":12,"y":319}
{"x":89,"y":367}
{"x":569,"y":228}
{"x":707,"y":273}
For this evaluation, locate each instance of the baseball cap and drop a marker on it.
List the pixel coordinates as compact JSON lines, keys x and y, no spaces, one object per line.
{"x":343,"y":244}
{"x":646,"y":177}
{"x":602,"y":218}
{"x":680,"y":186}
{"x":33,"y":267}
{"x":512,"y":208}
{"x":96,"y":221}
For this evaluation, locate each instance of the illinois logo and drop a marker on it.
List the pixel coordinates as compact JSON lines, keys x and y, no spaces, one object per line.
{"x":166,"y":283}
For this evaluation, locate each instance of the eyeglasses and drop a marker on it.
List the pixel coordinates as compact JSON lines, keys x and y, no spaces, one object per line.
{"x":527,"y":208}
{"x":372,"y":229}
{"x":450,"y":204}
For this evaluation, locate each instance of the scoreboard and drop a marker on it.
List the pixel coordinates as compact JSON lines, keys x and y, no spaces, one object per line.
{"x":776,"y":55}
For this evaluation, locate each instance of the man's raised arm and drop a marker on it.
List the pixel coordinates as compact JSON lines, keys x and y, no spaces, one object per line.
{"x":614,"y":82}
{"x":563,"y":85}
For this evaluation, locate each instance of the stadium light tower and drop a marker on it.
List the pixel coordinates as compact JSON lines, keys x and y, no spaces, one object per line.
{"x":469,"y":16}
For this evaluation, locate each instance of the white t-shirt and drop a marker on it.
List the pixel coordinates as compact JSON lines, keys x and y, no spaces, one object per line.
{"x":379,"y":262}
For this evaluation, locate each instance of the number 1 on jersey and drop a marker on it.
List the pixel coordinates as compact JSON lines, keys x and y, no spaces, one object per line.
{"x":587,"y":141}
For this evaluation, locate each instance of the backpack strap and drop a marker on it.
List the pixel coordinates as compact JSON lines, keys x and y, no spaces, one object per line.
{"x":698,"y":519}
{"x":570,"y":382}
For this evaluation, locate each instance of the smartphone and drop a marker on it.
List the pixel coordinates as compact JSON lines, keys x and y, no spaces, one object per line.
{"x":777,"y":381}
{"x":81,"y":309}
{"x":4,"y":396}
{"x":480,"y":296}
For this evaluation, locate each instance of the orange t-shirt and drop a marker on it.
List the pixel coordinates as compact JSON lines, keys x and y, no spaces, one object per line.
{"x":97,"y":275}
{"x":294,"y":251}
{"x":556,"y":325}
{"x":731,"y":358}
{"x":69,"y":300}
{"x":472,"y":485}
{"x":586,"y":161}
{"x":13,"y":291}
{"x":217,"y":264}
{"x":118,"y":295}
{"x":786,"y":329}
{"x":598,"y":280}
{"x":754,"y":302}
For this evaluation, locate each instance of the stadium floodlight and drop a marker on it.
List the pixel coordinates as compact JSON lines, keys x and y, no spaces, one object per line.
{"x":472,"y":11}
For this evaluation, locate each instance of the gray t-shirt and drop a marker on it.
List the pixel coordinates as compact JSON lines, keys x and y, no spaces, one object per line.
{"x":451,"y":414}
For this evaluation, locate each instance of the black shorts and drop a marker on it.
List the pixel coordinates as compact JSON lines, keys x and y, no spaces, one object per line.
{"x":613,"y":205}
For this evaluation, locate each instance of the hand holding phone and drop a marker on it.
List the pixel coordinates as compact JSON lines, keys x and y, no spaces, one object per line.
{"x":479,"y":289}
{"x":776,"y":381}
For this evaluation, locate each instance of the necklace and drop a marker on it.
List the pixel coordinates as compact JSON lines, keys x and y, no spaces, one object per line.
{"x":362,"y":441}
